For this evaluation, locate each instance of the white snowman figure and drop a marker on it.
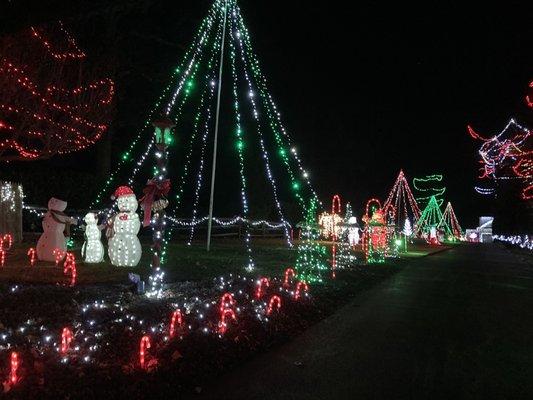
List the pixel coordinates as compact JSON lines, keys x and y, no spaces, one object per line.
{"x":55,"y":223}
{"x":124,"y":246}
{"x":93,"y":249}
{"x":353,"y":231}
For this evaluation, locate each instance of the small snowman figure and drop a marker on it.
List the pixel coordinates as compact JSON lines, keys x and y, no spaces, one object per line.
{"x":353,"y":231}
{"x":124,"y":246}
{"x":93,"y":249}
{"x":56,"y":230}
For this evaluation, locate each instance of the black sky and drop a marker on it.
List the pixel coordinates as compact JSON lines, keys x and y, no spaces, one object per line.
{"x":364,"y":89}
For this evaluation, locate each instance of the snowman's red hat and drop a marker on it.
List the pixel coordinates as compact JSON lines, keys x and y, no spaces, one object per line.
{"x":122,"y":191}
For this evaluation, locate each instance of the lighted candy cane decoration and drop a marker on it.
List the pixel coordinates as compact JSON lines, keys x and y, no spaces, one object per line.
{"x":263,"y":282}
{"x":6,"y":238}
{"x":274,"y":301}
{"x":335,"y":210}
{"x":58,"y":253}
{"x":297,"y":293}
{"x":289,"y":275}
{"x":70,"y":264}
{"x":2,"y":257}
{"x":225,"y":312}
{"x":176,"y":318}
{"x":31,"y":254}
{"x":145,"y":344}
{"x":66,"y":339}
{"x":15,"y":363}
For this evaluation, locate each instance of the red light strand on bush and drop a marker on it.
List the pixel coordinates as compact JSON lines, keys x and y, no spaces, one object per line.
{"x":143,"y":346}
{"x":262,"y":283}
{"x":66,"y":339}
{"x":175,"y":318}
{"x":275,"y":301}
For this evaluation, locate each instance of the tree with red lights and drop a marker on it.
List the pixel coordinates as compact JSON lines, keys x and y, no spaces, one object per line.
{"x":50,"y":100}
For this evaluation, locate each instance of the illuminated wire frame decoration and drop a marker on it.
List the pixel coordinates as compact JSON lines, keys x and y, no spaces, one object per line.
{"x":222,"y":40}
{"x":311,"y":259}
{"x":428,"y":224}
{"x":401,"y":203}
{"x":506,"y":156}
{"x":44,"y":110}
{"x":11,"y":206}
{"x":375,"y":233}
{"x":428,"y":187}
{"x":449,"y":223}
{"x":330,"y":222}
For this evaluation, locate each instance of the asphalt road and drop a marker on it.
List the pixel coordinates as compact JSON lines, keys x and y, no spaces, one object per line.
{"x":457,"y":324}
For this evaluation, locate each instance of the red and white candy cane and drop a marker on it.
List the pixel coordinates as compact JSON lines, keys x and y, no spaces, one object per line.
{"x":66,"y":338}
{"x":15,"y":363}
{"x":143,"y":346}
{"x":6,"y":238}
{"x":58,"y":254}
{"x":2,"y":257}
{"x":31,"y":254}
{"x":261,"y":283}
{"x":289,"y":275}
{"x":227,"y":303}
{"x":275,"y":301}
{"x":176,"y":318}
{"x":301,"y":285}
{"x":70,"y":265}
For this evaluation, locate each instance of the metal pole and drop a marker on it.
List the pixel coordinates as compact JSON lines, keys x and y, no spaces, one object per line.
{"x":212,"y":196}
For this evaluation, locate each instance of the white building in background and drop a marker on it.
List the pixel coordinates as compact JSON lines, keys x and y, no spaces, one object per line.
{"x":483,"y":233}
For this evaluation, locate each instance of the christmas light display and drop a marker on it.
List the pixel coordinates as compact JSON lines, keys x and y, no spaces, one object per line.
{"x":425,"y":190}
{"x":6,"y":241}
{"x":70,"y":266}
{"x":176,"y":318}
{"x":56,"y":228}
{"x":449,"y":223}
{"x":42,"y":113}
{"x":275,"y":301}
{"x":331,"y":223}
{"x":124,"y":246}
{"x":58,"y":254}
{"x":144,"y":345}
{"x":507,"y":155}
{"x":66,"y":339}
{"x":407,"y":228}
{"x":92,"y":249}
{"x":32,"y":255}
{"x":401,"y":202}
{"x":2,"y":257}
{"x":430,"y":219}
{"x":375,"y":233}
{"x":522,"y":241}
{"x":311,"y":259}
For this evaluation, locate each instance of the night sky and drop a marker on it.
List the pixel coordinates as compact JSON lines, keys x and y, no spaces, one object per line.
{"x":364,"y":90}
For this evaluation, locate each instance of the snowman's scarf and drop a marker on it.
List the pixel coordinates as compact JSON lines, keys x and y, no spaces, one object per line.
{"x":56,"y":217}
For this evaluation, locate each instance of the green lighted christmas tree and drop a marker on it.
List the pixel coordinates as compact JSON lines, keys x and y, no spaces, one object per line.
{"x":431,"y":217}
{"x":311,"y":262}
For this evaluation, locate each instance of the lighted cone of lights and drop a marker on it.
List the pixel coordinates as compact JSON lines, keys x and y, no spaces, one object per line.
{"x":275,"y":302}
{"x":144,"y":345}
{"x":227,"y":312}
{"x":375,"y":233}
{"x":449,"y":223}
{"x":262,"y":284}
{"x":430,"y":219}
{"x":402,"y":202}
{"x":175,"y":321}
{"x":44,"y":110}
{"x":66,"y":338}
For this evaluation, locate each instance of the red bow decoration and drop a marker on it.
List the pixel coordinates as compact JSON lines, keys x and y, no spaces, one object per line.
{"x":152,"y":190}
